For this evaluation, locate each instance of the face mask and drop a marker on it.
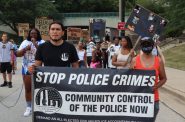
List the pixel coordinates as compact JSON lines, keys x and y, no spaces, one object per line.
{"x":147,"y":50}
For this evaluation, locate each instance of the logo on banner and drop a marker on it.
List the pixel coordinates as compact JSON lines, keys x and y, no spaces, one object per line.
{"x":48,"y":100}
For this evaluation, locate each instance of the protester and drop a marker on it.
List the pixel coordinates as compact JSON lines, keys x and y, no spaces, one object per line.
{"x":97,"y":55}
{"x":81,"y":55}
{"x":90,"y":45}
{"x":56,"y":52}
{"x":28,"y":49}
{"x":157,"y":51}
{"x":104,"y":47}
{"x":120,"y":58}
{"x":147,"y":61}
{"x":6,"y":60}
{"x":111,"y":51}
{"x":14,"y":65}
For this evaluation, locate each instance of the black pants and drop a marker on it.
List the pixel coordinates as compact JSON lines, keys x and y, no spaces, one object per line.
{"x":89,"y":58}
{"x":105,"y":63}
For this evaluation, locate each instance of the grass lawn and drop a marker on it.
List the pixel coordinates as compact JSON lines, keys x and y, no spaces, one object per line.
{"x":175,"y":57}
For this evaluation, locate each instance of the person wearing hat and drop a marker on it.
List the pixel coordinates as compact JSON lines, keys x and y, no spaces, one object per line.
{"x":147,"y":61}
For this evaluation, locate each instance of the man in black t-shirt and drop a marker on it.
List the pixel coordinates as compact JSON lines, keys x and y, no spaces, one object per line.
{"x":56,"y":52}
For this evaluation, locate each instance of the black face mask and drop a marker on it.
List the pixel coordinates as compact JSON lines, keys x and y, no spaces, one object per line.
{"x":147,"y":47}
{"x":147,"y":50}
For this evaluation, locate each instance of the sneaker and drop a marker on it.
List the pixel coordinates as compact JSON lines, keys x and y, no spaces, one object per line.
{"x":28,"y":111}
{"x":10,"y":84}
{"x":4,"y":84}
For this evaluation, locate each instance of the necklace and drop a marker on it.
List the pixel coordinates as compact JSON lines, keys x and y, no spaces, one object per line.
{"x":147,"y":63}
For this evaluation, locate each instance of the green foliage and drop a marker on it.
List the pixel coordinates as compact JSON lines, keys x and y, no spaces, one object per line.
{"x":24,"y":11}
{"x":175,"y":57}
{"x":87,"y":5}
{"x":175,"y":12}
{"x":172,"y":10}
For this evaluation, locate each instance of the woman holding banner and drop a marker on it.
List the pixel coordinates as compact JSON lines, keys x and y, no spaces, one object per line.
{"x":28,"y":49}
{"x":147,"y":61}
{"x":120,"y":58}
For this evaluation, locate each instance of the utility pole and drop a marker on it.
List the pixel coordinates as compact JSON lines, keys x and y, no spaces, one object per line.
{"x":122,"y":14}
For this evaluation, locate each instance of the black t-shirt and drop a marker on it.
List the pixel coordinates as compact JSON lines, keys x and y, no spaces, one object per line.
{"x":52,"y":55}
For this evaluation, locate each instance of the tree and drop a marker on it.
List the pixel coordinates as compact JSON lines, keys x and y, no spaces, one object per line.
{"x":87,"y":5}
{"x":175,"y":12}
{"x":24,"y":11}
{"x":172,"y":10}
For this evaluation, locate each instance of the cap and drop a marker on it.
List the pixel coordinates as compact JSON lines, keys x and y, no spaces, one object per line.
{"x":147,"y":40}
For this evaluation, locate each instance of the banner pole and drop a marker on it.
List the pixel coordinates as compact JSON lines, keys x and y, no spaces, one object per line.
{"x":129,"y":59}
{"x":136,"y":42}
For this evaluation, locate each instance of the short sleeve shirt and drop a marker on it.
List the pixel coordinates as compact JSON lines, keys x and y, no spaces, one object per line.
{"x":60,"y":56}
{"x":29,"y":56}
{"x":5,"y":51}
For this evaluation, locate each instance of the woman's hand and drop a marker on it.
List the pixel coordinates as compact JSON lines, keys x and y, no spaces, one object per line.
{"x":31,"y":69}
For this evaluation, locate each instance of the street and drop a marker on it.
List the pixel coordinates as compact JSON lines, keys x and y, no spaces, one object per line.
{"x":15,"y":114}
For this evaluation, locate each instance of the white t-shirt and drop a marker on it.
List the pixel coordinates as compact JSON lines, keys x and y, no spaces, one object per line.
{"x":111,"y":51}
{"x":29,"y":56}
{"x":122,"y":58}
{"x":89,"y":49}
{"x":155,"y":51}
{"x":5,"y":51}
{"x":81,"y":54}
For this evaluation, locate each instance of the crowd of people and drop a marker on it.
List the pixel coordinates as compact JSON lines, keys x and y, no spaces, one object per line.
{"x":95,"y":53}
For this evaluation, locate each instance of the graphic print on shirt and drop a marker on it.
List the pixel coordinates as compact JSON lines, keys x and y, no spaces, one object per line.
{"x":64,"y":56}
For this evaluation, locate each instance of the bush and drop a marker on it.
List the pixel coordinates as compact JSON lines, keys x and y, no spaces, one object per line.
{"x":173,"y":31}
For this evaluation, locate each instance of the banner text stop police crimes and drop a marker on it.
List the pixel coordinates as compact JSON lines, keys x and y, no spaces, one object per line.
{"x":103,"y":103}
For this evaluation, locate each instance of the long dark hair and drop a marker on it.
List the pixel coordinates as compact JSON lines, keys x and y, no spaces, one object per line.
{"x":129,"y":42}
{"x":38,"y":34}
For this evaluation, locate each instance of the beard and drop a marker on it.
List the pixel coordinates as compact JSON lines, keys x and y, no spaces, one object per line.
{"x":56,"y":40}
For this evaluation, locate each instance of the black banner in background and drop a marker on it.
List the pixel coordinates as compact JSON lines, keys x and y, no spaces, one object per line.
{"x":146,"y":23}
{"x":93,"y":95}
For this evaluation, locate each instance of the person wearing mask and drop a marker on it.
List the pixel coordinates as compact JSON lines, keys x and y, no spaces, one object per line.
{"x":120,"y":58}
{"x":6,"y":60}
{"x":28,"y":49}
{"x":147,"y":61}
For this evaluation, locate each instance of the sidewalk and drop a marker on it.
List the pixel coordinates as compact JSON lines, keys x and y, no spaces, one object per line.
{"x":9,"y":96}
{"x":175,"y":81}
{"x":173,"y":92}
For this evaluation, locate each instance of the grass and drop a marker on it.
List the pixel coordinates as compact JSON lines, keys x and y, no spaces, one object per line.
{"x":175,"y":57}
